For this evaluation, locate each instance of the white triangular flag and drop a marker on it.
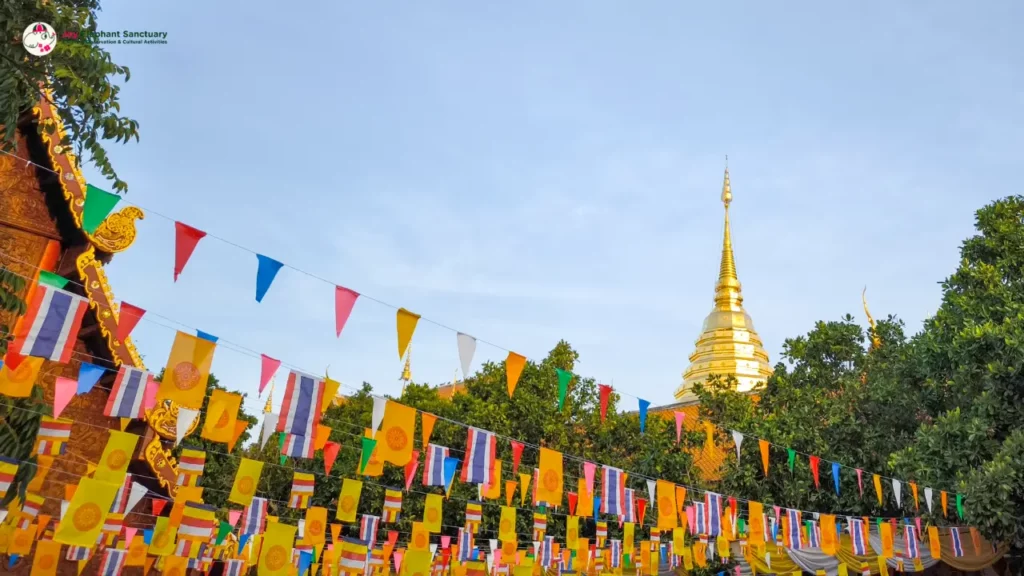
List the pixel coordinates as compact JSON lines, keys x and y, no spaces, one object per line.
{"x":768,"y":559}
{"x":379,"y":403}
{"x":433,"y":550}
{"x":186,"y":417}
{"x":928,"y":498}
{"x":490,"y":563}
{"x":536,"y":549}
{"x":467,"y":347}
{"x":896,"y":490}
{"x":651,"y":484}
{"x":138,"y":491}
{"x":270,"y":420}
{"x":494,"y":545}
{"x":737,"y":439}
{"x":3,"y":516}
{"x":302,"y":528}
{"x":64,"y":508}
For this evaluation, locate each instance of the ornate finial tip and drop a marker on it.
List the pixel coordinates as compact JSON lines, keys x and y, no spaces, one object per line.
{"x":726,"y":189}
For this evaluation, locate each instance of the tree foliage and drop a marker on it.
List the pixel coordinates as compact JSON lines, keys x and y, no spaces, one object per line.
{"x":80,"y":76}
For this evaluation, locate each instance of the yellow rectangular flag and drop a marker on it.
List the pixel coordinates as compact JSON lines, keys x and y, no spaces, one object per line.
{"x":492,"y":491}
{"x":164,"y":536}
{"x":666,"y":492}
{"x":550,"y":488}
{"x":221,"y":416}
{"x":83,"y":521}
{"x":113,"y":464}
{"x":316,"y":526}
{"x":420,"y":539}
{"x":678,"y":538}
{"x":18,"y":383}
{"x":47,"y":558}
{"x":432,"y":513}
{"x":829,"y":539}
{"x":627,"y":538}
{"x":507,"y":524}
{"x":348,"y":499}
{"x":934,"y":544}
{"x":136,"y":551}
{"x":187,"y":371}
{"x":572,"y":531}
{"x":247,"y":478}
{"x":276,"y":556}
{"x":416,"y":562}
{"x":585,"y":498}
{"x":394,"y":441}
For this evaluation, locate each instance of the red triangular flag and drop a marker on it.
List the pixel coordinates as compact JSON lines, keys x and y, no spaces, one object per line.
{"x":344,"y":300}
{"x":158,"y":506}
{"x":813,"y":460}
{"x":330,"y":455}
{"x":392,"y":537}
{"x":267,"y":369}
{"x":185,"y":240}
{"x":410,"y":469}
{"x":606,"y":391}
{"x":517,"y":454}
{"x":573,"y":498}
{"x":641,"y":509}
{"x":127,"y":319}
{"x":12,"y":360}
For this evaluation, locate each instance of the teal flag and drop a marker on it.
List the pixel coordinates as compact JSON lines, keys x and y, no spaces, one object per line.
{"x":98,"y":205}
{"x":564,"y":377}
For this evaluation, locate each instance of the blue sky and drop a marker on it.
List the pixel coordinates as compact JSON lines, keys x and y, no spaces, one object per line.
{"x":530,"y":171}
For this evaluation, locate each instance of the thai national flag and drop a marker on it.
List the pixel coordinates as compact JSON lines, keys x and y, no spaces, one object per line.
{"x":613,"y":488}
{"x":714,"y":512}
{"x":481,"y":446}
{"x":856,"y":526}
{"x":233,"y":567}
{"x":628,"y":506}
{"x":78,"y":553}
{"x":113,"y":561}
{"x":433,"y":467}
{"x":910,"y":541}
{"x":813,"y":534}
{"x":958,"y":549}
{"x":616,"y":553}
{"x":125,"y":400}
{"x":465,"y":545}
{"x":297,"y":446}
{"x":368,"y":530}
{"x":547,"y":551}
{"x":793,"y":528}
{"x":254,"y":517}
{"x":50,"y":325}
{"x":701,"y":524}
{"x":121,"y":497}
{"x":303,"y":399}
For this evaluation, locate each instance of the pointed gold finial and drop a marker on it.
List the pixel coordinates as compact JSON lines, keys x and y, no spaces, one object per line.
{"x":875,"y":340}
{"x":406,"y":373}
{"x":726,"y":188}
{"x":268,"y":407}
{"x":727,"y":291}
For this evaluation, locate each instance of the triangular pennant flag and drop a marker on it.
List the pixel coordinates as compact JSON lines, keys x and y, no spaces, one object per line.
{"x":88,"y":376}
{"x":240,"y":427}
{"x":406,"y":326}
{"x":186,"y":417}
{"x":835,"y":476}
{"x":344,"y":301}
{"x":158,"y":506}
{"x":330,"y":455}
{"x":514,"y":365}
{"x":928,"y":498}
{"x":960,"y":506}
{"x":368,"y":445}
{"x":791,"y":454}
{"x":763,"y":446}
{"x":397,"y":557}
{"x":268,"y":366}
{"x":860,"y":482}
{"x":266,"y":271}
{"x":651,"y":488}
{"x":128,"y":318}
{"x":644,"y":404}
{"x":233,"y":516}
{"x":81,"y":566}
{"x":135,"y":496}
{"x":63,"y":391}
{"x":737,"y":439}
{"x":185,"y":240}
{"x":305,"y":560}
{"x":813,"y":461}
{"x":63,"y":508}
{"x":449,"y":472}
{"x":281,"y":439}
{"x":680,"y":416}
{"x":896,"y":486}
{"x":606,"y":392}
{"x":517,"y":455}
{"x":51,"y":279}
{"x":207,"y":336}
{"x":510,"y":491}
{"x":379,"y":405}
{"x":467,"y":348}
{"x":564,"y":377}
{"x":427,"y":421}
{"x":269,"y":427}
{"x":129,"y":534}
{"x":98,"y":205}
{"x":222,"y":532}
{"x":410,"y":469}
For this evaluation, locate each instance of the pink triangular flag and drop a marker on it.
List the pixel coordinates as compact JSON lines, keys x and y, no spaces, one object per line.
{"x":233,"y":516}
{"x":330,"y":455}
{"x":344,"y":300}
{"x":149,"y":399}
{"x":63,"y":391}
{"x":679,"y":425}
{"x":267,"y":369}
{"x":129,"y":533}
{"x":397,"y":556}
{"x":588,"y":475}
{"x":127,"y":319}
{"x":860,"y":481}
{"x":445,"y":542}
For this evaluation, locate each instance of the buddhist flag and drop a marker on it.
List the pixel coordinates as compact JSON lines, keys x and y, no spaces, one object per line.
{"x":432,"y":513}
{"x":666,"y":492}
{"x":113,"y":464}
{"x":83,"y":521}
{"x":164,"y":536}
{"x":247,"y":478}
{"x":316,"y":526}
{"x":551,"y":480}
{"x":398,"y":426}
{"x":348,"y":499}
{"x":46,"y":558}
{"x":420,"y":539}
{"x":221,"y":416}
{"x":18,"y":382}
{"x":514,"y":365}
{"x":507,"y":524}
{"x":187,"y":372}
{"x":572,"y":531}
{"x":417,"y":562}
{"x":276,"y":556}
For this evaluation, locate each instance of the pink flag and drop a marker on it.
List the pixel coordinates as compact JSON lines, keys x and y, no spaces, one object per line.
{"x":445,"y":541}
{"x":917,"y":521}
{"x":679,"y":425}
{"x":397,"y":556}
{"x":330,"y":455}
{"x":588,"y":475}
{"x":860,"y":481}
{"x":63,"y":391}
{"x":690,"y":519}
{"x":129,"y":533}
{"x":344,"y":300}
{"x":497,"y":557}
{"x":267,"y":369}
{"x":410,"y":469}
{"x":233,"y":516}
{"x":128,"y":318}
{"x":149,"y":400}
{"x":517,"y":454}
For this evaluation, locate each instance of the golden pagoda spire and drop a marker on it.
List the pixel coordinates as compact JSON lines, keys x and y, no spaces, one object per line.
{"x":875,"y":340}
{"x":406,"y":373}
{"x":267,"y":408}
{"x":728,"y":344}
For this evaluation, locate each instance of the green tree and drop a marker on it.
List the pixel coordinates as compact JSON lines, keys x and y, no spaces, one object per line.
{"x":80,"y":76}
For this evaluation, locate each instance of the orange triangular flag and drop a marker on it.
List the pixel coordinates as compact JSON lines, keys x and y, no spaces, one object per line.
{"x":510,"y":491}
{"x":323,"y":434}
{"x":149,"y":564}
{"x":406,"y":326}
{"x":335,"y":532}
{"x":124,"y":423}
{"x":427,"y":421}
{"x":44,"y":521}
{"x":514,"y":365}
{"x":763,"y":444}
{"x":240,"y":427}
{"x":913,"y":490}
{"x":69,"y":491}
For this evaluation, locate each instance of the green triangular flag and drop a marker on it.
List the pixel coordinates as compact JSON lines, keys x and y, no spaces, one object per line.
{"x":742,"y":526}
{"x":98,"y":205}
{"x":316,"y":553}
{"x":368,"y":445}
{"x":792,"y":458}
{"x":222,"y":532}
{"x":51,"y":279}
{"x":564,"y":377}
{"x":960,"y":506}
{"x":280,"y":440}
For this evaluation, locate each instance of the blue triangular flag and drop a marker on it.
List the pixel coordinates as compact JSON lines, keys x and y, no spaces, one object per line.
{"x":835,"y":475}
{"x":88,"y":376}
{"x":305,"y":560}
{"x":14,"y":560}
{"x":449,"y":471}
{"x":265,"y":274}
{"x":644,"y":404}
{"x":597,"y":507}
{"x":243,"y":540}
{"x":147,"y":536}
{"x":206,"y":336}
